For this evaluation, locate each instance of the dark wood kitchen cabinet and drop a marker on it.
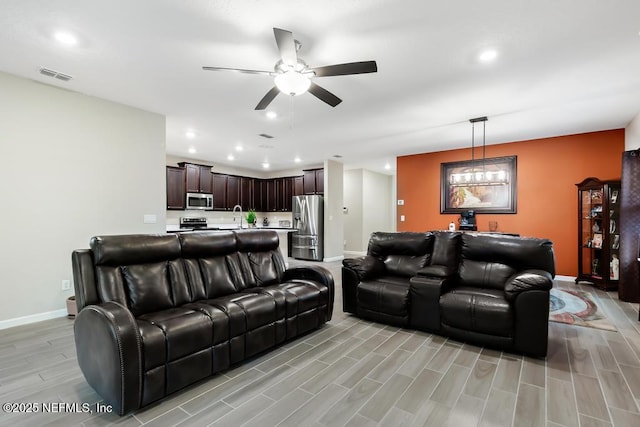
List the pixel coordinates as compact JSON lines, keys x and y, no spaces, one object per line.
{"x":198,"y":177}
{"x":176,"y":184}
{"x":219,"y":184}
{"x":298,"y":185}
{"x":246,"y":193}
{"x":272,"y":195}
{"x":313,"y":181}
{"x":233,"y":191}
{"x":260,"y":194}
{"x":286,"y":194}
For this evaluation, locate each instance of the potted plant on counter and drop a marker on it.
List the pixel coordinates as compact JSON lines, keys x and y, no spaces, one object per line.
{"x":251,"y":218}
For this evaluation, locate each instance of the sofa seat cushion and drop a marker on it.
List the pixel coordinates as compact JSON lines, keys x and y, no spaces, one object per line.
{"x":479,"y":310}
{"x":389,"y":295}
{"x":173,"y":333}
{"x":246,"y":311}
{"x":304,"y":304}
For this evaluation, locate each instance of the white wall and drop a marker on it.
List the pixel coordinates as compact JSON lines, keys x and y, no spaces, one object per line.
{"x":333,"y":217}
{"x":73,"y":166}
{"x":632,"y":134}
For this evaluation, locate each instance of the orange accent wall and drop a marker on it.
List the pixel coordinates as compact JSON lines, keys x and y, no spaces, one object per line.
{"x":547,"y":201}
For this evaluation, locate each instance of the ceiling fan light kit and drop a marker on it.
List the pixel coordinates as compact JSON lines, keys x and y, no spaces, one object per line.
{"x":293,"y":77}
{"x":292,"y":83}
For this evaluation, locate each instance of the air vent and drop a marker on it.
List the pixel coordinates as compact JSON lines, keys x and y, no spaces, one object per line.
{"x":55,"y":74}
{"x":337,"y":156}
{"x":264,"y":135}
{"x":266,"y":146}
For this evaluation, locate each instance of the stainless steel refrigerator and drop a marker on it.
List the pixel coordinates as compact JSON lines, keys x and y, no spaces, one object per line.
{"x":308,"y":219}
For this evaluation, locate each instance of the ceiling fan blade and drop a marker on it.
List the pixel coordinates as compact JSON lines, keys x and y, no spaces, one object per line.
{"x":346,"y":69}
{"x":324,"y":95}
{"x":266,"y":100}
{"x":237,"y":70}
{"x":286,"y":46}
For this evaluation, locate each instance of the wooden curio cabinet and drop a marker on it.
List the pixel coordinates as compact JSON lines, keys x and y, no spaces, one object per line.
{"x":599,"y":233}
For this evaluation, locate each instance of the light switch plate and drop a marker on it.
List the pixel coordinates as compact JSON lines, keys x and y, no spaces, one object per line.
{"x":401,"y":217}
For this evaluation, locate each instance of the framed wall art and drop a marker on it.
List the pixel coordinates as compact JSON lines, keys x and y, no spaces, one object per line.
{"x":484,"y":185}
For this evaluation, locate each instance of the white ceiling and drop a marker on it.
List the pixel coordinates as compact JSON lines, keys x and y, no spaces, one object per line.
{"x":563,"y":67}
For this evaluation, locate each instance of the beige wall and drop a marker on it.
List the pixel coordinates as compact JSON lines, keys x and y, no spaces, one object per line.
{"x":369,"y":197}
{"x":353,"y":215}
{"x":632,"y":134}
{"x":333,"y":218}
{"x":73,"y":166}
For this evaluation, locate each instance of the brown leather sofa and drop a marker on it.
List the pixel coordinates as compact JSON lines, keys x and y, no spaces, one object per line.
{"x":159,"y":312}
{"x":488,"y":289}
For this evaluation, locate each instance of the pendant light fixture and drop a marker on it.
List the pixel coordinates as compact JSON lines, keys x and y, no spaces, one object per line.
{"x":478,"y":174}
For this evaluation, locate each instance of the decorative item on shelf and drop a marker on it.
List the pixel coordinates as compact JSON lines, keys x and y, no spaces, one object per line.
{"x":251,"y":218}
{"x":615,"y":244}
{"x":597,"y":241}
{"x":612,"y":226}
{"x":614,"y":267}
{"x":265,"y":222}
{"x":452,"y":226}
{"x":595,"y":227}
{"x":614,"y":196}
{"x":594,"y":267}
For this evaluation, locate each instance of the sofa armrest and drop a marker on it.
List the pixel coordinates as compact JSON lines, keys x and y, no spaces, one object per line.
{"x":424,"y":293}
{"x":109,"y":350}
{"x":527,"y":280}
{"x":316,"y":274}
{"x":439,"y":271}
{"x":366,"y":267}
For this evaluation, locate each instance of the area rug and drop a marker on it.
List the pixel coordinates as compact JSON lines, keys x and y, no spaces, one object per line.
{"x":577,"y":308}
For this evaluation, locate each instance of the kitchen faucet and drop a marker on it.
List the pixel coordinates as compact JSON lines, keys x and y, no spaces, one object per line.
{"x":234,"y":214}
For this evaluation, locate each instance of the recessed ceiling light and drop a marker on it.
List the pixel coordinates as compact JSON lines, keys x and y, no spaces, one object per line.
{"x":190,"y":134}
{"x":297,"y":160}
{"x":192,"y":150}
{"x":230,"y":157}
{"x":271,"y":114}
{"x":488,"y":55}
{"x":65,"y":38}
{"x":387,"y":166}
{"x":239,"y":148}
{"x":265,"y":165}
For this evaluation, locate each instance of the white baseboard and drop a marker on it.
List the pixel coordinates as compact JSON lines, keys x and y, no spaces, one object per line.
{"x":333,"y":258}
{"x":565,"y":278}
{"x":32,"y":318}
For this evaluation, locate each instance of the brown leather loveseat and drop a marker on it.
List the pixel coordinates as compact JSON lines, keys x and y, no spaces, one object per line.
{"x":159,"y":312}
{"x":487,"y":289}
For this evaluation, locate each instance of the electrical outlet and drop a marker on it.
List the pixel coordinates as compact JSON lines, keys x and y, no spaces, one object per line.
{"x":66,"y":285}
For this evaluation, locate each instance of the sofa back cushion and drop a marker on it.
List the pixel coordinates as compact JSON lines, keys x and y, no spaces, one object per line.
{"x":260,"y":260}
{"x":403,"y":253}
{"x":143,"y":272}
{"x":211,"y":263}
{"x":488,"y":260}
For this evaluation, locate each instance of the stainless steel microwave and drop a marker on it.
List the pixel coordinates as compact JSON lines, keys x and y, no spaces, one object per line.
{"x":200,"y":201}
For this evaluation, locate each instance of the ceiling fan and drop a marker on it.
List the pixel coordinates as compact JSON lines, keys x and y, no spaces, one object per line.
{"x":293,"y":76}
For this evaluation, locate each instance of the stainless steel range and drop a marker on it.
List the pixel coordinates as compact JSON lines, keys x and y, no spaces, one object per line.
{"x":193,"y":222}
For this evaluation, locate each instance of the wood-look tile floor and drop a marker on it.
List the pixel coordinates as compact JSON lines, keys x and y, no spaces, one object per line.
{"x":359,"y":373}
